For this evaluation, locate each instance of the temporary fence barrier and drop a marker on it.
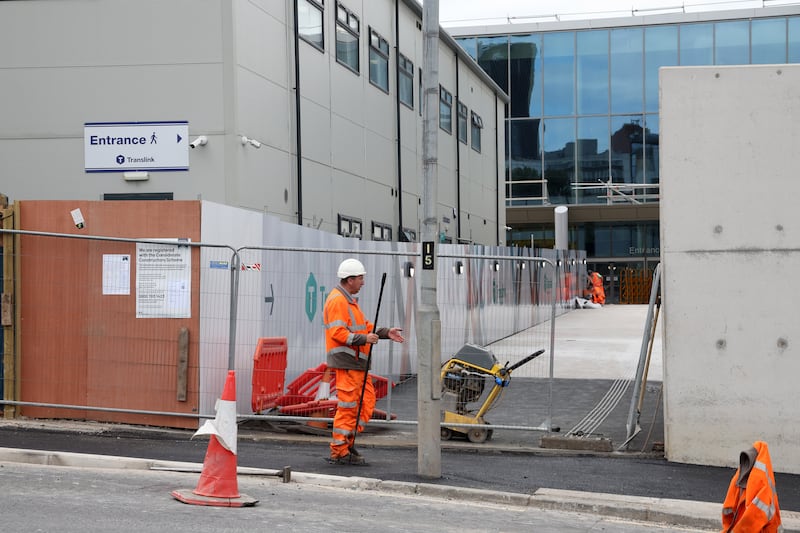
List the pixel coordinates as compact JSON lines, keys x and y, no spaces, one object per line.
{"x":144,"y":331}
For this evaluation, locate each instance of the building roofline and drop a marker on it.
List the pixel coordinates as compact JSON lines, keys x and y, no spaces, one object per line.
{"x":622,"y":22}
{"x":461,"y":54}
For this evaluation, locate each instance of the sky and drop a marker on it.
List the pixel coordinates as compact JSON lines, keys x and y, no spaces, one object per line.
{"x":482,"y":12}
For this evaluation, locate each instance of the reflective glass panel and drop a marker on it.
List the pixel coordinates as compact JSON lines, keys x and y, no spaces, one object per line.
{"x":627,"y":149}
{"x":526,"y":75}
{"x":559,"y":159}
{"x":601,"y":238}
{"x":768,"y":43}
{"x":651,"y":153}
{"x":732,"y":43}
{"x":794,"y":39}
{"x":627,"y":70}
{"x":469,"y":45}
{"x":406,"y":81}
{"x":558,"y":56}
{"x":592,"y":71}
{"x":493,"y":58}
{"x":592,"y":159}
{"x":347,"y":48}
{"x":309,"y":24}
{"x":378,"y":70}
{"x":525,"y":159}
{"x":697,"y":44}
{"x":660,"y":50}
{"x":623,"y":237}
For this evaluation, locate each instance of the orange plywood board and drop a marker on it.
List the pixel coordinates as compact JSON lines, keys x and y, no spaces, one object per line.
{"x":82,"y":347}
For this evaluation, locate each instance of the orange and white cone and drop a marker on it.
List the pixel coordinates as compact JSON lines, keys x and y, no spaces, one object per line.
{"x":218,"y":485}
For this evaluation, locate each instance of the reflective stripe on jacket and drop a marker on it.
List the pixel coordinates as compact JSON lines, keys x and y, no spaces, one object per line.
{"x":751,"y":504}
{"x":346,"y":331}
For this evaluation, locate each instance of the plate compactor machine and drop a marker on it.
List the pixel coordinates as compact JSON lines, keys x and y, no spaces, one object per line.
{"x":464,"y":379}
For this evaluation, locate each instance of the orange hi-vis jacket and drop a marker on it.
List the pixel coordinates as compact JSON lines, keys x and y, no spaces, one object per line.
{"x":598,"y":292}
{"x":346,"y":331}
{"x":751,"y":504}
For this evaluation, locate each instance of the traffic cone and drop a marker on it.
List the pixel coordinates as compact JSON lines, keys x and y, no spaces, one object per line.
{"x":218,"y":485}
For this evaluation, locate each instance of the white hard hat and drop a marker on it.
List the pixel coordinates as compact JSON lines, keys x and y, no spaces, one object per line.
{"x":350,"y":267}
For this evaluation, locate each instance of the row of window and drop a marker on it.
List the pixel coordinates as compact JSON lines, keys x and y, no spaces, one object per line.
{"x":348,"y":32}
{"x":351,"y":227}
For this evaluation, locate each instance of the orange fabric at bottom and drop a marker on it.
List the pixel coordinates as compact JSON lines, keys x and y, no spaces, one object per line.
{"x":348,"y":393}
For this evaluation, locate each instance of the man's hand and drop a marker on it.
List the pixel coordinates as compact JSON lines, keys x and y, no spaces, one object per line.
{"x":396,"y":334}
{"x":372,"y":338}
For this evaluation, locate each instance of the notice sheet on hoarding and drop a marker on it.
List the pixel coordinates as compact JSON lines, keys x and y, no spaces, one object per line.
{"x":116,"y":274}
{"x":163,"y":280}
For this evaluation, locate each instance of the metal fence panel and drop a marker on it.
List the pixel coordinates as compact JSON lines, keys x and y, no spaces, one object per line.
{"x":89,"y":351}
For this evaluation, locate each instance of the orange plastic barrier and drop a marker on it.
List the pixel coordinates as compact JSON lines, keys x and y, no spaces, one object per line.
{"x":269,"y":372}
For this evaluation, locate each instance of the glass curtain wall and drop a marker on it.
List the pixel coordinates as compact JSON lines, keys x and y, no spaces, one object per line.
{"x":583,"y":125}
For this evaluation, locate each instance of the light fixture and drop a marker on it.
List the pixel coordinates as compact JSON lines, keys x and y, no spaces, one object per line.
{"x":496,"y":266}
{"x":252,"y":142}
{"x":522,"y":265}
{"x":459,"y":268}
{"x":408,"y":269}
{"x":136,"y":175}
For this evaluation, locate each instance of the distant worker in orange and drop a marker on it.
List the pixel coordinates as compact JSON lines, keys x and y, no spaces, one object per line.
{"x":598,"y":292}
{"x":348,"y":336}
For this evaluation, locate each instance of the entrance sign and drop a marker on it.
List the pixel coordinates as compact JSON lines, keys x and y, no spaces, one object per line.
{"x":123,"y":146}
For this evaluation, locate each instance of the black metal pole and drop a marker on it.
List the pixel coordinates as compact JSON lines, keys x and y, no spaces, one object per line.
{"x":366,"y":370}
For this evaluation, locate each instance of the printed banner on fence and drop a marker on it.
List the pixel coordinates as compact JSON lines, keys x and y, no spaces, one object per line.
{"x":163,"y":280}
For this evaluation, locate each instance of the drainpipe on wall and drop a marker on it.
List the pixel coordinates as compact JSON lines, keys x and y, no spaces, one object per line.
{"x":397,"y":108}
{"x":497,"y":172}
{"x":299,"y":138}
{"x":458,"y":159}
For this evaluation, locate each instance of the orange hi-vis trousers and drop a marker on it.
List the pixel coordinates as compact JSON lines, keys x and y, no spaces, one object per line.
{"x":348,"y":392}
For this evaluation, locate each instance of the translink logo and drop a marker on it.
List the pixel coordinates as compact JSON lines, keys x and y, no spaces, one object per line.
{"x":313,"y":295}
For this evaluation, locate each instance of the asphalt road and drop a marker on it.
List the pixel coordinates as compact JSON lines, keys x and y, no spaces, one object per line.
{"x":67,"y":499}
{"x":623,"y":474}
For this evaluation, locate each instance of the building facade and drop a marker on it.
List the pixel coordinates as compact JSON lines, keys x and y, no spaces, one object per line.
{"x":583,"y":126}
{"x":309,"y":110}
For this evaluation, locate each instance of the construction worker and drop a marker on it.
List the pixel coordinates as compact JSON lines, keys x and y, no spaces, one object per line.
{"x":598,"y":292}
{"x":348,"y":339}
{"x":752,"y":501}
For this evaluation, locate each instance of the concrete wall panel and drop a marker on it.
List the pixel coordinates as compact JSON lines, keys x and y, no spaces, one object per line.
{"x":730,"y":242}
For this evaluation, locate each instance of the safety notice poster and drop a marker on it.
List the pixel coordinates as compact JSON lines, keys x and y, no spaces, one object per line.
{"x":116,"y":274}
{"x":163,"y":280}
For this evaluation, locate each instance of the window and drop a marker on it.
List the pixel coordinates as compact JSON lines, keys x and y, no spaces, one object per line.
{"x":348,"y":30}
{"x":462,"y":123}
{"x":378,"y":61}
{"x":445,"y":110}
{"x":477,"y":126}
{"x":309,"y":22}
{"x":421,"y":94}
{"x":408,"y":235}
{"x":406,"y":80}
{"x":349,"y":227}
{"x":381,"y":232}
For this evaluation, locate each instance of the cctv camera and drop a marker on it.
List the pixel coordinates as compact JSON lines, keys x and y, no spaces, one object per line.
{"x":200,"y":141}
{"x":252,"y":142}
